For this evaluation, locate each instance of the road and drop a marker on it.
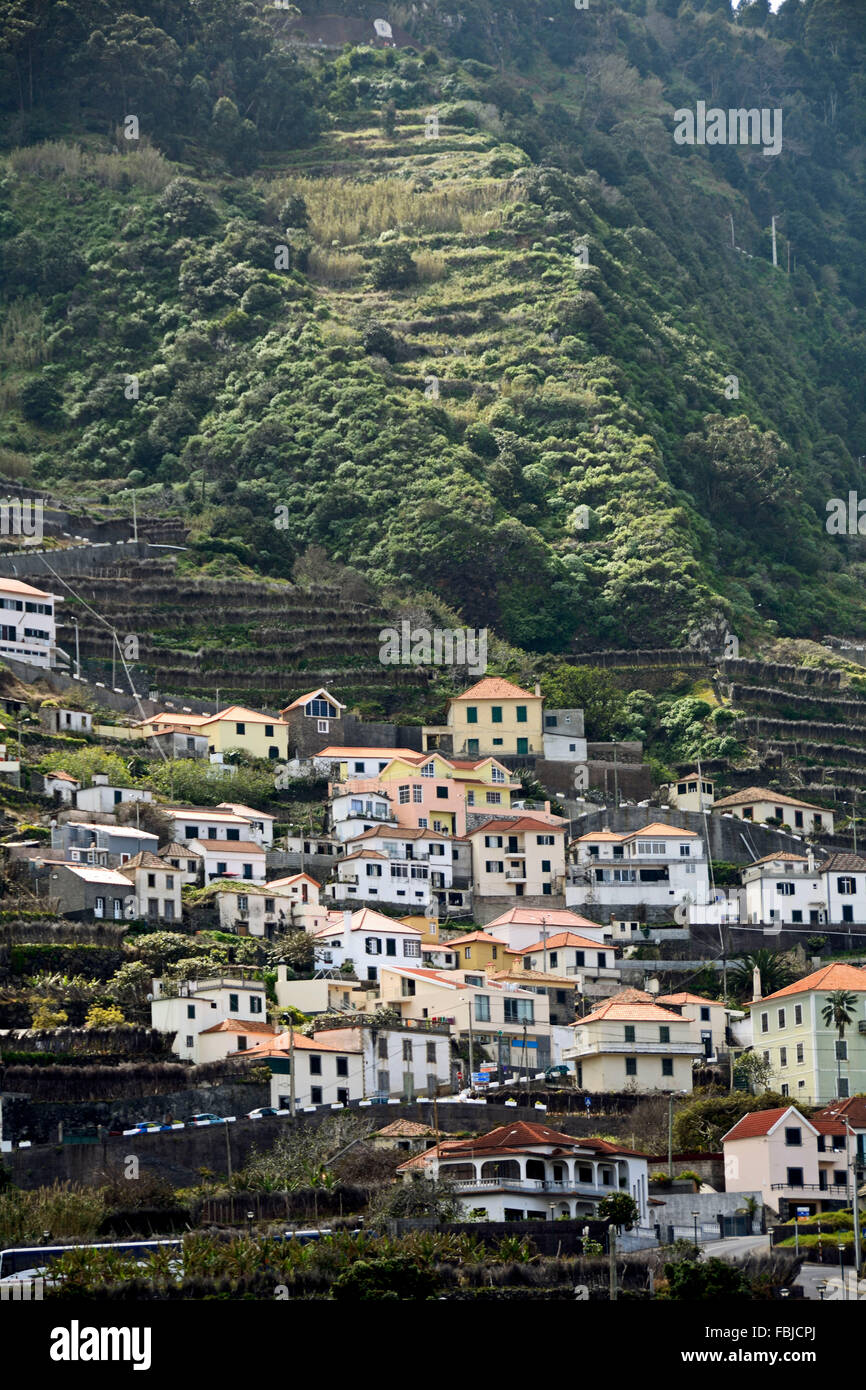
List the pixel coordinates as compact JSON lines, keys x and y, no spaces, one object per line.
{"x":813,"y":1275}
{"x":735,"y":1247}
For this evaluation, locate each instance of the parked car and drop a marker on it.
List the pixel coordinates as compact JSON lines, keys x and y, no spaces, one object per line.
{"x":553,"y":1073}
{"x":144,"y":1125}
{"x":212,"y":1119}
{"x":261,"y":1111}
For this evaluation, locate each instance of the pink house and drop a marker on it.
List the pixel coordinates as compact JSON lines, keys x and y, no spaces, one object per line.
{"x":793,"y":1162}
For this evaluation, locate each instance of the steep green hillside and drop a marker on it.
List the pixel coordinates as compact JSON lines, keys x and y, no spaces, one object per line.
{"x":495,"y":363}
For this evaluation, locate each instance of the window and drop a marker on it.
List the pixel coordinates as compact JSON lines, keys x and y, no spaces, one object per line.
{"x":240,"y":729}
{"x":795,"y":1177}
{"x":428,"y":770}
{"x":342,"y":1066}
{"x":269,"y":731}
{"x":472,"y":745}
{"x":442,"y":793}
{"x":667,"y":1066}
{"x":846,"y":886}
{"x":493,"y":798}
{"x":765,"y":1023}
{"x":190,"y":832}
{"x":496,"y":714}
{"x":794,"y":1137}
{"x":383,"y":1047}
{"x":841,"y":1050}
{"x":255,"y":1004}
{"x":519,"y":1010}
{"x":664,"y":1033}
{"x":494,"y":866}
{"x":411,"y":948}
{"x":801,"y":1054}
{"x":785,"y":889}
{"x":482,"y":1008}
{"x":631,"y":1066}
{"x":221,"y":867}
{"x":522,"y":747}
{"x":417,"y":793}
{"x":318,"y":707}
{"x":471,"y":714}
{"x":390,"y":946}
{"x":783,"y":1056}
{"x":248,"y":870}
{"x":781,"y":1017}
{"x":190,"y":1010}
{"x":629,"y":1032}
{"x":373,"y":946}
{"x":234,"y":1003}
{"x":544,"y":839}
{"x":169,"y":881}
{"x":315,"y":1064}
{"x":407,"y":1050}
{"x":705,"y":1014}
{"x":798,"y":1014}
{"x":315,"y":1095}
{"x":493,"y":842}
{"x":685,"y":851}
{"x":497,"y":775}
{"x":798,"y":820}
{"x":269,"y":904}
{"x":521,"y":714}
{"x":431,"y":1053}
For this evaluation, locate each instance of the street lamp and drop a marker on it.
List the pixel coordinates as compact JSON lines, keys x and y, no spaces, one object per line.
{"x":695,"y":1215}
{"x":250,"y":1218}
{"x":842,"y":1270}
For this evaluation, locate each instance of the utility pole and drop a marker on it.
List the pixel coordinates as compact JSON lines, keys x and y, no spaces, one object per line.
{"x":471,"y":1044}
{"x":544,"y":940}
{"x":611,"y":1252}
{"x":228,"y":1155}
{"x":855,"y":1205}
{"x":292,"y":1070}
{"x":670,"y":1134}
{"x":773,"y":224}
{"x":134,"y":518}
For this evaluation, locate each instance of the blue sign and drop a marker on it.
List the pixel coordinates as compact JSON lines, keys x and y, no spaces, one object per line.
{"x":587,"y":1102}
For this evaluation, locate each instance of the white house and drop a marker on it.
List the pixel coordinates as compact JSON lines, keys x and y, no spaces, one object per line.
{"x":28,"y":624}
{"x":708,"y":1017}
{"x":524,"y":1170}
{"x":784,"y":888}
{"x":186,"y":1008}
{"x":102,"y":797}
{"x":563,"y":736}
{"x":300,"y":903}
{"x":567,"y":953}
{"x":157,"y":887}
{"x":60,"y":784}
{"x":354,"y":812}
{"x":215,"y":823}
{"x":261,"y":823}
{"x":358,"y":762}
{"x":358,"y":1062}
{"x":66,"y":721}
{"x":633,"y":1046}
{"x":185,"y":860}
{"x":843,"y":877}
{"x":369,"y":940}
{"x":229,"y":1037}
{"x":793,"y":1162}
{"x":222,"y":858}
{"x":759,"y":804}
{"x":657,"y":866}
{"x":396,"y":865}
{"x":520,"y":927}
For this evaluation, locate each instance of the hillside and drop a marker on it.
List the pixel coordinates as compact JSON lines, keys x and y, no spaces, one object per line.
{"x":295,"y":315}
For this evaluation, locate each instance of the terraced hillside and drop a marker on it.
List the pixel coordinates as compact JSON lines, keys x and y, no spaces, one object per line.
{"x":265,"y":642}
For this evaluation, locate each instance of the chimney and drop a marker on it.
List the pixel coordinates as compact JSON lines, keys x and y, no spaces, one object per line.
{"x":538,"y":687}
{"x":652,"y":986}
{"x":347,"y":919}
{"x":810,"y":860}
{"x":282,"y":974}
{"x":547,"y":807}
{"x":756,"y":984}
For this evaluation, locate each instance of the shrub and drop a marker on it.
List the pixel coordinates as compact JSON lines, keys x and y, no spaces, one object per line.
{"x":394,"y":268}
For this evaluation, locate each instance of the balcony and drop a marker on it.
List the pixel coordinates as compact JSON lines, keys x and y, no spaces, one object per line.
{"x":529,"y":1185}
{"x":833,"y":1189}
{"x":633,"y":1049}
{"x":518,"y":875}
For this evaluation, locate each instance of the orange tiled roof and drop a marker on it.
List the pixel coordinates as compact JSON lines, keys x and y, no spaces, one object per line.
{"x":837,"y":975}
{"x":495,"y":688}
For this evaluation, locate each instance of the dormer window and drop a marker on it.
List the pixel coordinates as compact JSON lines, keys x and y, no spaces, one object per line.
{"x":320,"y":709}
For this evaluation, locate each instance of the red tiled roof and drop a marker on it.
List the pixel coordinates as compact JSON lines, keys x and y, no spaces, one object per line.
{"x":235,"y":1025}
{"x":625,"y":1011}
{"x":685,"y":998}
{"x":567,"y":938}
{"x":759,"y":1122}
{"x":834,"y":976}
{"x":495,"y":688}
{"x":516,"y":826}
{"x":752,"y":794}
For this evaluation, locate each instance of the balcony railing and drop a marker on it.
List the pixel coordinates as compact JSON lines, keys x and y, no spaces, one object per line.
{"x":531,"y":1185}
{"x":515,"y":873}
{"x":680,"y":1049}
{"x":832,"y":1189}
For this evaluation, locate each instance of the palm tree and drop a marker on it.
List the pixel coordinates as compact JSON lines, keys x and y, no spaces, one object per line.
{"x":775,"y":970}
{"x":838,"y":1012}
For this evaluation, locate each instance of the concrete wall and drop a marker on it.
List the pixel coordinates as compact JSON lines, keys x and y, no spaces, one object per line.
{"x":725,"y":833}
{"x":180,"y":1155}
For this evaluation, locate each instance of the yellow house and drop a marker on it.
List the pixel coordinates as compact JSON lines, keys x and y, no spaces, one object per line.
{"x":493,"y":717}
{"x":476,"y":951}
{"x":519,"y":857}
{"x":633,"y":1046}
{"x":260,"y":735}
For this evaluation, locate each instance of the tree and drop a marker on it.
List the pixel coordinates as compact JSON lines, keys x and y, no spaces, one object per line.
{"x":701,"y":1124}
{"x":388,"y":1277}
{"x":588,"y":688}
{"x":419,"y":1197}
{"x":104,"y":1016}
{"x":388,"y":118}
{"x":775,"y":970}
{"x":145,"y":815}
{"x":694,"y":1280}
{"x":620,"y":1209}
{"x":297,"y":950}
{"x":130,"y":986}
{"x":752,"y":1071}
{"x":838,"y":1012}
{"x":47,"y":1018}
{"x":294,"y":212}
{"x":394,"y":269}
{"x":41,"y":402}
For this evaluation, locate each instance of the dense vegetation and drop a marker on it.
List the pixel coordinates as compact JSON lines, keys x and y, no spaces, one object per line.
{"x":239,"y":313}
